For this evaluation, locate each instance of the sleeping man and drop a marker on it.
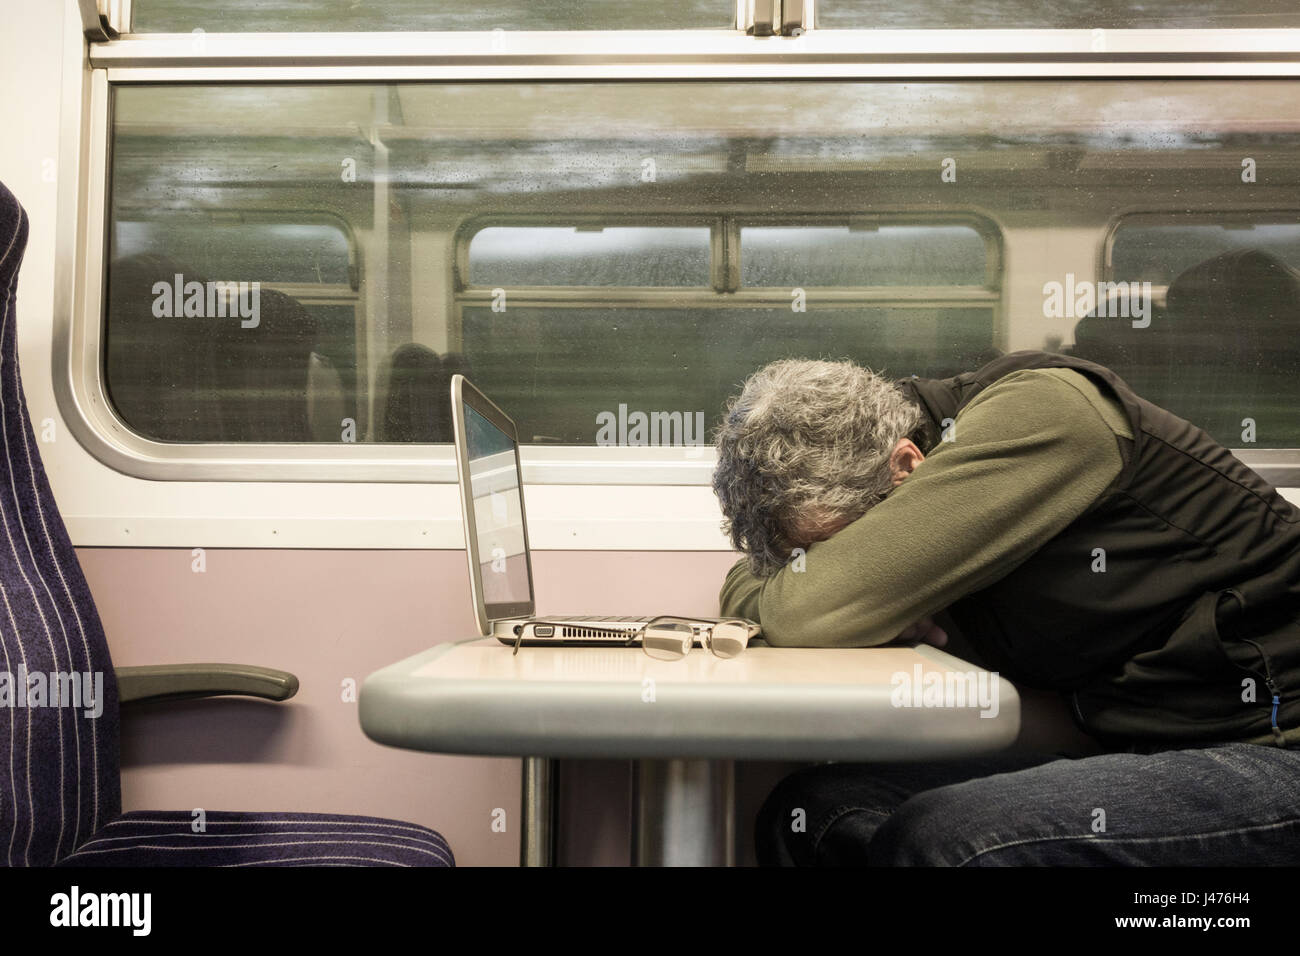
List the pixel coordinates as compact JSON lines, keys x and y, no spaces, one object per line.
{"x":1073,"y":537}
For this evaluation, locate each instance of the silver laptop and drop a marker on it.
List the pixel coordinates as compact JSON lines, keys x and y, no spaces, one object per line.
{"x":501,"y":570}
{"x":496,"y":534}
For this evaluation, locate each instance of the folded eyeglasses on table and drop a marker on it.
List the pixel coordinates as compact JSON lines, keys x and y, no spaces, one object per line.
{"x":670,"y":637}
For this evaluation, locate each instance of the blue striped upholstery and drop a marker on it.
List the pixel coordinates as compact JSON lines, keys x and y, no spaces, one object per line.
{"x":58,"y":767}
{"x":144,"y":837}
{"x":60,"y":789}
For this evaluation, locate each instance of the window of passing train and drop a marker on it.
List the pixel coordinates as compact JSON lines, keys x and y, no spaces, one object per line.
{"x":282,"y":16}
{"x":1159,"y":248}
{"x":904,"y":296}
{"x":1222,"y":344}
{"x":240,"y":16}
{"x":1058,"y":15}
{"x":863,"y":254}
{"x":592,"y":254}
{"x":230,"y":327}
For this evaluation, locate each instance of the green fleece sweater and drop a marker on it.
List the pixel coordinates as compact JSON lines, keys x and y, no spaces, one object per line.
{"x":1030,"y":453}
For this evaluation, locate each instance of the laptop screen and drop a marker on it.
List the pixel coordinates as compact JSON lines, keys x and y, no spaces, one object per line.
{"x":498,"y":512}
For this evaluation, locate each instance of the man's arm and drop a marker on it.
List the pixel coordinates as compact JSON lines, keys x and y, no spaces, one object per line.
{"x":739,"y":597}
{"x":1031,"y":453}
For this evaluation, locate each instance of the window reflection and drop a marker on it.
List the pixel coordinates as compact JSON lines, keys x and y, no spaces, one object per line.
{"x":584,"y":251}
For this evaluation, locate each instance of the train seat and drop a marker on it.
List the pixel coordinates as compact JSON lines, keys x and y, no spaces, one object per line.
{"x":60,"y":787}
{"x":152,"y":838}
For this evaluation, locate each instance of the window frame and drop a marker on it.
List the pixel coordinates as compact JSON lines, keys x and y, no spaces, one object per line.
{"x":685,"y":55}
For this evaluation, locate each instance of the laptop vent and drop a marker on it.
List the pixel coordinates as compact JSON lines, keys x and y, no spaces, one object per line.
{"x":592,"y":632}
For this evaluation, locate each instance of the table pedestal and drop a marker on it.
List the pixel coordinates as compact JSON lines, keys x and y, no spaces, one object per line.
{"x":684,"y":813}
{"x":538,"y":806}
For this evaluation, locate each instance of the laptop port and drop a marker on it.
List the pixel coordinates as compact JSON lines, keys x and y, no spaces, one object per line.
{"x":544,"y":630}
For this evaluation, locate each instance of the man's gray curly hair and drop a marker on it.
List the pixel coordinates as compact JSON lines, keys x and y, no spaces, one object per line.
{"x":805,"y":444}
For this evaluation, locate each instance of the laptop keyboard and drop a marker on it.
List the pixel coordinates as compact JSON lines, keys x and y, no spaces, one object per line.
{"x":591,"y":618}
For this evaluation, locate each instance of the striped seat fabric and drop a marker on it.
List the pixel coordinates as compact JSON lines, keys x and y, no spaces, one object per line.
{"x":60,"y":791}
{"x":146,"y":838}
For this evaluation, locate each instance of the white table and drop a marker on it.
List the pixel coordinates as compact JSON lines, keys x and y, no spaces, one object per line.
{"x":685,"y":721}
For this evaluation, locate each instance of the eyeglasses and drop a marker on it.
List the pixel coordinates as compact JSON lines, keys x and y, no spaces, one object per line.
{"x":670,"y":638}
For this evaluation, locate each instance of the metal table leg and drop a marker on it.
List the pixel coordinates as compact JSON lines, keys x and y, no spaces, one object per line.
{"x":684,"y":813}
{"x":537,"y":807}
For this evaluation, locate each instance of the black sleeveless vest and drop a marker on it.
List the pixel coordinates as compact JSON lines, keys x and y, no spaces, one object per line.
{"x":1169,"y":611}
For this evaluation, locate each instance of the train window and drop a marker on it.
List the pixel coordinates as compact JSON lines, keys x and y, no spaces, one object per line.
{"x":241,"y":16}
{"x":583,"y":356}
{"x":864,"y":254}
{"x":591,"y":255}
{"x":232,"y":327}
{"x":1061,"y":15}
{"x":1159,"y":248}
{"x":270,"y":246}
{"x":249,"y":16}
{"x":1221,"y":346}
{"x":568,"y":315}
{"x":586,"y":376}
{"x":591,"y":252}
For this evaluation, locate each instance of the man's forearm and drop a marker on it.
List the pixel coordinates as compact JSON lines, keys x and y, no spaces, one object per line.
{"x":740,"y":591}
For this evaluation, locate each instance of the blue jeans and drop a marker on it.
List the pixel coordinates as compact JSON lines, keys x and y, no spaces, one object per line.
{"x":1229,"y":805}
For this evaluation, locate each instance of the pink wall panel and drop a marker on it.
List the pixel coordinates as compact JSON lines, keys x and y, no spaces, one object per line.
{"x":329,"y":616}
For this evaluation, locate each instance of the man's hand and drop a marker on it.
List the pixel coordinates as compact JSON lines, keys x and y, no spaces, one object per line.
{"x":924,"y":631}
